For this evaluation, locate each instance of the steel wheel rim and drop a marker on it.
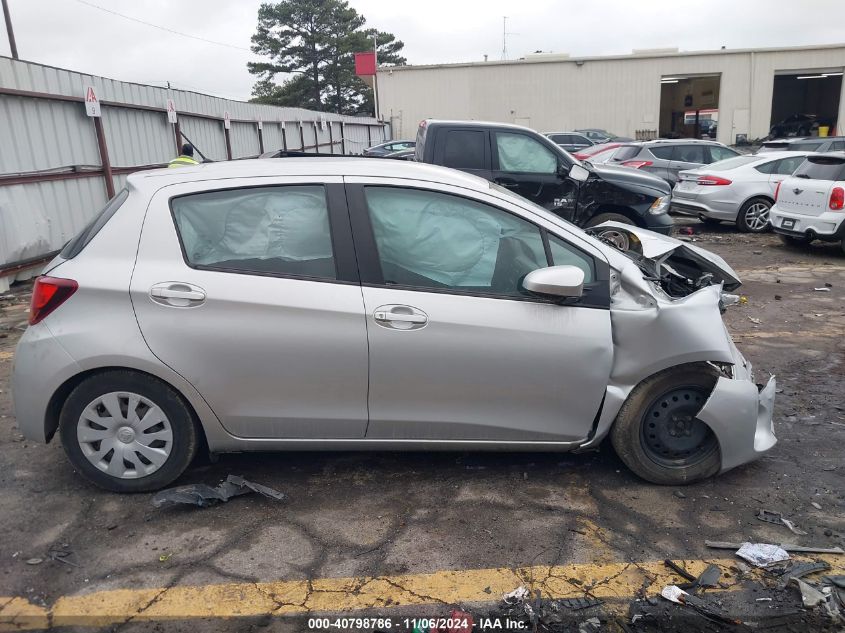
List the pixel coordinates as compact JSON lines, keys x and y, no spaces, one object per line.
{"x":671,"y":435}
{"x":757,"y":216}
{"x":125,"y":435}
{"x":617,"y":238}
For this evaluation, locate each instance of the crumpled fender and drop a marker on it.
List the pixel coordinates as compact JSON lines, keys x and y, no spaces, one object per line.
{"x":741,"y":418}
{"x":652,"y":333}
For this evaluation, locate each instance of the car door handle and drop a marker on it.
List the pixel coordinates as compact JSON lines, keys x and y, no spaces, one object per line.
{"x":400,"y":317}
{"x":508,"y":184}
{"x":177,"y":294}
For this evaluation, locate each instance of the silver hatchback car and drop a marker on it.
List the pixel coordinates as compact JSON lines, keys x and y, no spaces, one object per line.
{"x":311,"y":303}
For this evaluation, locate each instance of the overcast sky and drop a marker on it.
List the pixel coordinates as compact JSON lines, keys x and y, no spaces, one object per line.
{"x":69,"y":34}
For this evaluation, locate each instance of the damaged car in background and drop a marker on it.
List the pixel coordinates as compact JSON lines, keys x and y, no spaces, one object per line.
{"x":360,"y":304}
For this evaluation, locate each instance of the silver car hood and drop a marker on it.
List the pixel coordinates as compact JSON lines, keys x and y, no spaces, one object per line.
{"x":660,"y":248}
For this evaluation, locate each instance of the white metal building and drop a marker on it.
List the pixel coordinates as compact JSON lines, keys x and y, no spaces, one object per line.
{"x":657,"y":91}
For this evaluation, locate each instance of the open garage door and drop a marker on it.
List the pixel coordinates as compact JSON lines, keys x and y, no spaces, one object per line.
{"x":806,"y":103}
{"x":689,"y":106}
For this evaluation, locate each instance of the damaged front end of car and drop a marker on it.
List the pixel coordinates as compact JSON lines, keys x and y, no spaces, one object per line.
{"x":667,"y":297}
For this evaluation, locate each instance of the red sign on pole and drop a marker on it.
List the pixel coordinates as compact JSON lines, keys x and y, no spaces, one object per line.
{"x":365,"y":64}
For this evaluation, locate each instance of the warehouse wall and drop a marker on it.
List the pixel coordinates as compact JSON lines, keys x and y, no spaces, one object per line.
{"x":51,"y":176}
{"x":621,"y":94}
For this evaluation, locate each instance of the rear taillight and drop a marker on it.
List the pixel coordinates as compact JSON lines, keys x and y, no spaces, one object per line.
{"x":49,"y":293}
{"x":581,"y":156}
{"x":712,"y":180}
{"x":636,"y":164}
{"x":837,"y":199}
{"x":777,"y":190}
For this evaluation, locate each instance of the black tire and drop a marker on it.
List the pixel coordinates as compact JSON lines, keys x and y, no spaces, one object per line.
{"x":184,"y":432}
{"x":750,"y":211}
{"x":793,"y":242}
{"x":620,"y":240}
{"x":689,"y":450}
{"x":709,"y":221}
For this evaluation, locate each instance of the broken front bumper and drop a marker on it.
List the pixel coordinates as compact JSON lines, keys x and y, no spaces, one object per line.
{"x":740,"y":415}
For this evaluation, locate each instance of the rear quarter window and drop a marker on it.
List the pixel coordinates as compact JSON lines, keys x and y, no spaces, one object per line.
{"x":663,"y":152}
{"x":75,"y":245}
{"x":822,"y":168}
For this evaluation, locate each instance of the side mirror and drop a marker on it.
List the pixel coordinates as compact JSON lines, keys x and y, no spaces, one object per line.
{"x":557,"y":281}
{"x":579,"y":173}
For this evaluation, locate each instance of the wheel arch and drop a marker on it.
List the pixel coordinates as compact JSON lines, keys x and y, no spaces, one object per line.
{"x":57,"y":400}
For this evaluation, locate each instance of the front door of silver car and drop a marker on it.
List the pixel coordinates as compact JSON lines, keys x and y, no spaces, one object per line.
{"x":250,"y":292}
{"x":459,"y":351}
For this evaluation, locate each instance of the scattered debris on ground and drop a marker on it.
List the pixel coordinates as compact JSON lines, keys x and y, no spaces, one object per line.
{"x":204,"y":496}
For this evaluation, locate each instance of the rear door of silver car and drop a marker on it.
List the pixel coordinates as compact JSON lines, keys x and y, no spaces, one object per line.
{"x":249,"y":290}
{"x":457,"y":351}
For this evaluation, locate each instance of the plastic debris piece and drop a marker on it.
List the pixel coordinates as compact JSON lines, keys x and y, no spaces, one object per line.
{"x":204,"y":496}
{"x":35,"y":561}
{"x":763,"y":600}
{"x":777,"y":518}
{"x":817,"y":506}
{"x":825,"y":289}
{"x":799,"y":570}
{"x":593,"y":625}
{"x":674,"y":594}
{"x":762,"y":554}
{"x":839,"y":581}
{"x":709,"y":577}
{"x":163,"y":558}
{"x":679,"y":570}
{"x":788,"y":548}
{"x":810,"y":596}
{"x":576,"y":604}
{"x":517,"y":595}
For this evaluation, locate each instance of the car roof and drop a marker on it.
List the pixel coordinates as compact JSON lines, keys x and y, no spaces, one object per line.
{"x":695,"y":141}
{"x":470,"y":124}
{"x":316,"y":166}
{"x":781,"y":154}
{"x":575,"y":132}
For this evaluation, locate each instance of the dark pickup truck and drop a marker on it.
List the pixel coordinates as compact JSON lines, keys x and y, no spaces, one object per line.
{"x":531,"y":165}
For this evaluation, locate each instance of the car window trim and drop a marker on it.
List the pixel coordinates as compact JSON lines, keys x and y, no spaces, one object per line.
{"x":596,"y":293}
{"x":340,"y":232}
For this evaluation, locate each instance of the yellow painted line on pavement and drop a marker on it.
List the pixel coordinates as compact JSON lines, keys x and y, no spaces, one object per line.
{"x":331,"y":595}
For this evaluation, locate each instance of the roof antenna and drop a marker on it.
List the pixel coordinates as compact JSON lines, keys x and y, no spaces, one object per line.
{"x":505,"y":36}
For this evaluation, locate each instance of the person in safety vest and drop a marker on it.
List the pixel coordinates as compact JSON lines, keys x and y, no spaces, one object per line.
{"x":186,"y":158}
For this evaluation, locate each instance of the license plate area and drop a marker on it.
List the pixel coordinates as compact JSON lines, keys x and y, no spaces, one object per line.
{"x":788,"y":223}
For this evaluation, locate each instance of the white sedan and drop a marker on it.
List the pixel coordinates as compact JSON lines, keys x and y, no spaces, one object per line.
{"x":739,"y":189}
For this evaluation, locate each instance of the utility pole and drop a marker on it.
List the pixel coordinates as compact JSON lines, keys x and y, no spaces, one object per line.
{"x":375,"y":77}
{"x":12,"y":45}
{"x":504,"y":36}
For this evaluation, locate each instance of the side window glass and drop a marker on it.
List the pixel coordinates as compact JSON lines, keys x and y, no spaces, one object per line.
{"x":520,"y":153}
{"x":427,"y":239}
{"x":564,"y":254}
{"x":664,"y":153}
{"x":769,"y":168}
{"x":277,"y":230}
{"x":837,"y":146}
{"x":81,"y":240}
{"x":464,"y":149}
{"x":788,"y":165}
{"x":721,"y":153}
{"x":689,"y":154}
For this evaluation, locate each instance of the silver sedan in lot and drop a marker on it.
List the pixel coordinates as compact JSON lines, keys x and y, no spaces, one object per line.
{"x":740,"y":189}
{"x":311,"y":303}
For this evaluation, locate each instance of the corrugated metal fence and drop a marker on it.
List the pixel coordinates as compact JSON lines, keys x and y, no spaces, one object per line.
{"x":58,"y":166}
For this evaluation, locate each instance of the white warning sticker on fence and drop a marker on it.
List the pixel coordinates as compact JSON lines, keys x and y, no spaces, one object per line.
{"x":227,"y":120}
{"x":171,"y":111}
{"x":92,"y":102}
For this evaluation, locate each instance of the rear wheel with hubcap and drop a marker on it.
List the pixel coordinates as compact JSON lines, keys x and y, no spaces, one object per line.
{"x":753,"y":217}
{"x":127,"y":432}
{"x":657,"y":433}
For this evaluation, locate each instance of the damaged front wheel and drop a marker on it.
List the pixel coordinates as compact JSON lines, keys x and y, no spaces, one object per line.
{"x":657,"y":433}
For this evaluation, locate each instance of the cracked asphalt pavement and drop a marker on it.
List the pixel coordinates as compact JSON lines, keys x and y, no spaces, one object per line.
{"x":414,"y":534}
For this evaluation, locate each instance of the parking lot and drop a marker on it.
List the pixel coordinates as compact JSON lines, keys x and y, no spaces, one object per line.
{"x":417,"y":534}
